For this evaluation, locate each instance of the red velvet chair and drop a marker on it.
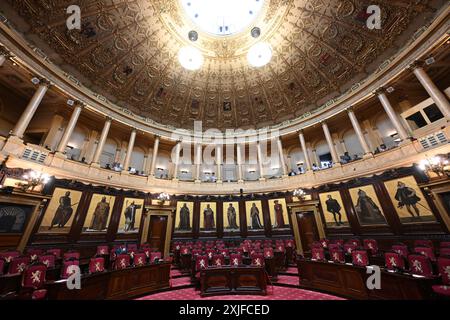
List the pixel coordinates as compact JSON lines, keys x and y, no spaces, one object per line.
{"x":444,"y":244}
{"x":337,"y":254}
{"x":225,"y":252}
{"x":355,"y":242}
{"x":349,"y":248}
{"x":316,"y":244}
{"x":423,"y":243}
{"x":371,"y":245}
{"x":201,"y":262}
{"x":289,"y":243}
{"x":96,"y":265}
{"x":132,"y":246}
{"x":235,"y":259}
{"x":318,"y":254}
{"x":426,"y":251}
{"x":33,"y":281}
{"x":2,"y":266}
{"x":67,"y":264}
{"x":218,"y":260}
{"x":185,"y":250}
{"x":155,"y":256}
{"x":258,"y":260}
{"x":394,"y":261}
{"x":9,"y":255}
{"x":444,"y":252}
{"x":139,"y":259}
{"x":102,"y":250}
{"x":444,"y":271}
{"x":333,"y":246}
{"x":48,"y":260}
{"x":18,"y":264}
{"x":325,"y":243}
{"x":339,"y":242}
{"x":268,"y":253}
{"x":401,"y":249}
{"x":360,"y":258}
{"x":210,"y":253}
{"x":122,"y":261}
{"x":144,"y":246}
{"x":56,"y":252}
{"x":34,"y":253}
{"x":280,"y":248}
{"x":420,"y":265}
{"x":71,"y":255}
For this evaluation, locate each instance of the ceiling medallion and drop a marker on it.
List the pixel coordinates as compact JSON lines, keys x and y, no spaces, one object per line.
{"x":190,"y":58}
{"x":259,"y":55}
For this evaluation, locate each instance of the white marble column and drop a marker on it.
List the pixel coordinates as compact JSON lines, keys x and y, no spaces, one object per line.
{"x":331,"y":146}
{"x":30,"y":110}
{"x":129,"y":150}
{"x":239,"y":162}
{"x":219,"y":158}
{"x":70,"y":127}
{"x":437,"y":95}
{"x":301,"y":136}
{"x":281,"y":154}
{"x":260,"y":161}
{"x":198,"y":162}
{"x":359,"y":132}
{"x":177,"y":160}
{"x":102,"y":141}
{"x":154,"y":156}
{"x":392,"y":115}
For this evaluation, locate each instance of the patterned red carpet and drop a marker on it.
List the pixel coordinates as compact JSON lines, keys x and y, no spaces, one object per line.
{"x":278,"y":293}
{"x":290,"y":280}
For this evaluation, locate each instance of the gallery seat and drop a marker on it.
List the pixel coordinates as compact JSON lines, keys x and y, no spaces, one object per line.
{"x":71,"y":255}
{"x":218,"y":260}
{"x":139,"y":259}
{"x":9,"y":255}
{"x":394,"y":261}
{"x":48,"y":260}
{"x":360,"y":258}
{"x":102,"y":250}
{"x":155,"y":256}
{"x":401,"y":249}
{"x":258,"y":260}
{"x":426,"y":251}
{"x":96,"y":265}
{"x":268,"y":253}
{"x":235,"y":259}
{"x":122,"y":261}
{"x":2,"y":266}
{"x":18,"y":264}
{"x":420,"y":265}
{"x":56,"y":252}
{"x":444,"y":272}
{"x":318,"y":254}
{"x":33,"y":282}
{"x":337,"y":254}
{"x":67,"y":266}
{"x":371,"y":245}
{"x":423,"y":243}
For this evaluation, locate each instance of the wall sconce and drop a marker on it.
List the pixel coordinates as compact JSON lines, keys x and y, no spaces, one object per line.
{"x":163,"y":197}
{"x":438,"y":164}
{"x":33,"y":179}
{"x":299,"y":193}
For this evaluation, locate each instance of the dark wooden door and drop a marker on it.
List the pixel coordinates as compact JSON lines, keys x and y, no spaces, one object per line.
{"x":308,"y":229}
{"x":157,"y":232}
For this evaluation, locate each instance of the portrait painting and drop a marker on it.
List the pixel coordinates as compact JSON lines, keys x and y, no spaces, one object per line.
{"x":278,"y":214}
{"x":254,"y":214}
{"x":409,"y":201}
{"x":131,"y":215}
{"x":367,"y":206}
{"x":231,"y":216}
{"x":208,"y":216}
{"x":184,"y":217}
{"x":99,"y":213}
{"x":333,"y":210}
{"x":13,"y":217}
{"x":60,"y":211}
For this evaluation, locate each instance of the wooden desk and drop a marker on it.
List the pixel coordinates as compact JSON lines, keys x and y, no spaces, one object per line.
{"x":114,"y":285}
{"x":350,"y":281}
{"x":233,"y":280}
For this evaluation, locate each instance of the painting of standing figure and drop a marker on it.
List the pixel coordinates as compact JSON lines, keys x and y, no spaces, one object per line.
{"x":208,"y":216}
{"x":254,"y":215}
{"x":61,"y":211}
{"x":409,"y":201}
{"x":367,"y":207}
{"x":279,"y":213}
{"x":184,"y":216}
{"x":130,"y":218}
{"x":333,"y":210}
{"x":99,"y":213}
{"x":231,"y":216}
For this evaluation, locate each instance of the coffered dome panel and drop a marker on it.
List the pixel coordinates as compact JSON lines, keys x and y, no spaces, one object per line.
{"x":128,"y":52}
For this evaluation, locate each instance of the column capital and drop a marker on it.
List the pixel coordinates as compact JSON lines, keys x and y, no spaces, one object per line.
{"x":379,"y":91}
{"x":415,"y":65}
{"x":133,"y":130}
{"x":350,"y":109}
{"x":42,"y":81}
{"x":79,"y":104}
{"x":157,"y":136}
{"x":108,"y":118}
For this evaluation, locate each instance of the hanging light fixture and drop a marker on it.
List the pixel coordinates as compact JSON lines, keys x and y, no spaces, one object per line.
{"x":190,"y":58}
{"x":259,"y":55}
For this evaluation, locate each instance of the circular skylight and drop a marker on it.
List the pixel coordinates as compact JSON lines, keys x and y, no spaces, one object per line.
{"x":222,"y":17}
{"x":259,"y":55}
{"x":190,"y":58}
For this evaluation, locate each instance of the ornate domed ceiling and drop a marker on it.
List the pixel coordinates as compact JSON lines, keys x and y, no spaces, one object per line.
{"x":127,"y":51}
